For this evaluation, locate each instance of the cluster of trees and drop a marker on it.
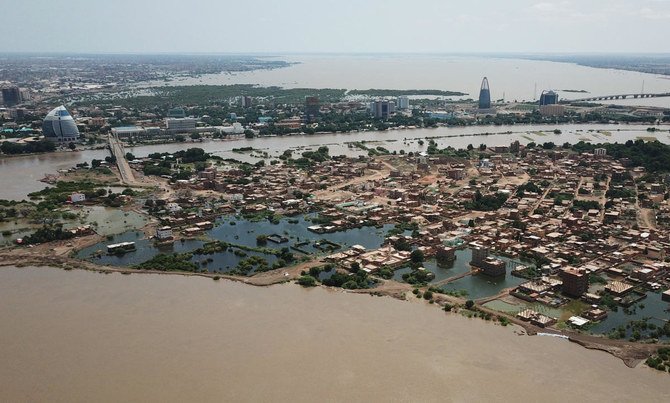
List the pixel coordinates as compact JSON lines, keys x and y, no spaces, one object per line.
{"x":48,"y":234}
{"x":529,"y":186}
{"x":173,"y":262}
{"x":320,"y":155}
{"x":255,"y":263}
{"x":418,"y":277}
{"x":660,"y":360}
{"x":586,"y":205}
{"x":490,"y":202}
{"x":59,"y":194}
{"x":654,"y":156}
{"x":623,"y":193}
{"x":40,"y":146}
{"x":358,"y":280}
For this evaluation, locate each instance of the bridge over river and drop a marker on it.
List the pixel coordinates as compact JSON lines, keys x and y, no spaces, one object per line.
{"x":620,"y":96}
{"x":127,"y":176}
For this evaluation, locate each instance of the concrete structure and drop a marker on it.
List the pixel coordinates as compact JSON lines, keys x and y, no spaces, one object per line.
{"x":552,"y":110}
{"x":11,"y":96}
{"x":575,"y":281}
{"x":485,"y":95}
{"x":489,"y":265}
{"x":312,"y":108}
{"x":59,"y":126}
{"x":548,"y":98}
{"x":164,"y":233}
{"x":382,"y":108}
{"x":128,"y":133}
{"x":403,"y":102}
{"x":600,"y":152}
{"x":77,"y":197}
{"x":479,"y":255}
{"x":246,"y":101}
{"x":180,"y":125}
{"x":666,"y":296}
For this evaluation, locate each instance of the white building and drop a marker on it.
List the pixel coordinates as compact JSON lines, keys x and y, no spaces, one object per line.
{"x":129,"y":132}
{"x":164,"y":233}
{"x":77,"y":197}
{"x":600,"y":152}
{"x":403,"y":102}
{"x":235,"y":128}
{"x":173,"y":207}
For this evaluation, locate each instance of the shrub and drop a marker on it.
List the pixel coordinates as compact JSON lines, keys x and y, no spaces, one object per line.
{"x":307,"y":281}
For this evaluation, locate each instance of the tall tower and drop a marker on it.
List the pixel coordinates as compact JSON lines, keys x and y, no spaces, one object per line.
{"x":548,"y":98}
{"x":485,"y":95}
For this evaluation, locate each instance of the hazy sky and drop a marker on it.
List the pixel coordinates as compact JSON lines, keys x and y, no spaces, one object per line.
{"x":335,"y":26}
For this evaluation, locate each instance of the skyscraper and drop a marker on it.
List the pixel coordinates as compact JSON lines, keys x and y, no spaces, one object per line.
{"x":59,"y":127}
{"x":485,"y":95}
{"x":312,"y":107}
{"x":382,"y":109}
{"x":548,"y":98}
{"x":403,"y":102}
{"x":11,"y":96}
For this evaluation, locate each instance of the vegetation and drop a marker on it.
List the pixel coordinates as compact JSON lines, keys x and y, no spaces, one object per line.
{"x":47,"y":234}
{"x":586,"y":205}
{"x":173,"y":262}
{"x":654,"y":156}
{"x":40,"y":146}
{"x":358,"y":280}
{"x":660,"y":360}
{"x":529,"y":186}
{"x":396,"y":93}
{"x":307,"y":281}
{"x":418,"y":277}
{"x":490,"y":202}
{"x":417,"y":256}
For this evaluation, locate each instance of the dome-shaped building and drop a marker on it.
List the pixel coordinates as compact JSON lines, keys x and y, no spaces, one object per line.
{"x":59,"y":127}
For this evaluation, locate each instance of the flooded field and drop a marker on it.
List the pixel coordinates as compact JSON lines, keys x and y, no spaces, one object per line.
{"x":81,"y":336}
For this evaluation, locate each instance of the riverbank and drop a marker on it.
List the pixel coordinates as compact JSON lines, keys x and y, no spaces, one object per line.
{"x":80,"y":336}
{"x":33,"y":168}
{"x":629,"y":352}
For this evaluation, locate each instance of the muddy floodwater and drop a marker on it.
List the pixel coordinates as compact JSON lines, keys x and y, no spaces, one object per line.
{"x":81,"y":336}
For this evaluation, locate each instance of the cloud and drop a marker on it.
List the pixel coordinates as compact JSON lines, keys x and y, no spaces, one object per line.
{"x":651,"y":14}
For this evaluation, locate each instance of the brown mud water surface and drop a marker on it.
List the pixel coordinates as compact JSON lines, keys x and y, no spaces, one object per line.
{"x":81,"y":336}
{"x":629,"y":352}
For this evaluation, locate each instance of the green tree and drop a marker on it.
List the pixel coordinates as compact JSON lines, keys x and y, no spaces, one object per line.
{"x":417,"y":256}
{"x":307,"y":281}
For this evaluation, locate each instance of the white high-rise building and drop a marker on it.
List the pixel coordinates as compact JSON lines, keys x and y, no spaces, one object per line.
{"x":403,"y":102}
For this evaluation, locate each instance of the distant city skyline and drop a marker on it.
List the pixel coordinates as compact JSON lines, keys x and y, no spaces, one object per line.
{"x":329,"y":26}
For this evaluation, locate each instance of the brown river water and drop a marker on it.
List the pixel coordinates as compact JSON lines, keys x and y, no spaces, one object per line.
{"x":81,"y":336}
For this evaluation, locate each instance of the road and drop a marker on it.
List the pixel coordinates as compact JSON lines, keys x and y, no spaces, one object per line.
{"x":127,"y":176}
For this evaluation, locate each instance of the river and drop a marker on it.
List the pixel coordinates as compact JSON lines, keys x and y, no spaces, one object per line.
{"x":510,"y":79}
{"x":81,"y":336}
{"x":32,"y":168}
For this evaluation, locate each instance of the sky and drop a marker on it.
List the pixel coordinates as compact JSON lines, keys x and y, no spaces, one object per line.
{"x":335,"y":26}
